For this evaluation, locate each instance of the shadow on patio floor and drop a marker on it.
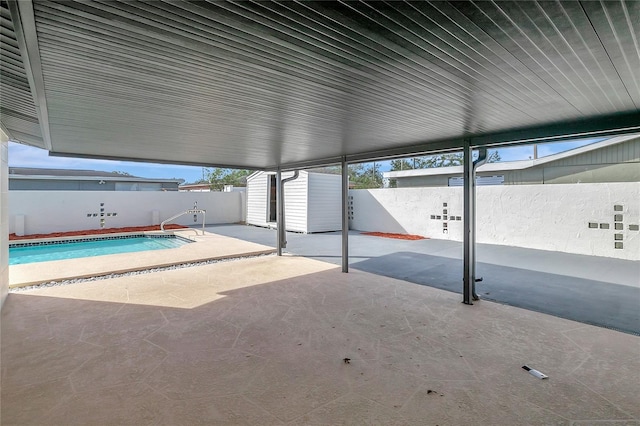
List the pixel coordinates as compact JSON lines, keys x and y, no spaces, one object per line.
{"x":264,"y":341}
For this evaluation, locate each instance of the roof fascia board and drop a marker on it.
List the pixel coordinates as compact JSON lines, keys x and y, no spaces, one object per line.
{"x":449,"y":145}
{"x":607,"y":126}
{"x":24,"y":23}
{"x":604,"y":127}
{"x":458,"y":170}
{"x":581,"y":150}
{"x":512,"y":165}
{"x":331,"y":161}
{"x":455,"y":170}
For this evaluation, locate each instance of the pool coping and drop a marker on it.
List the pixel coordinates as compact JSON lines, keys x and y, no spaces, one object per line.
{"x":95,"y":237}
{"x":90,"y":236}
{"x":202,"y":248}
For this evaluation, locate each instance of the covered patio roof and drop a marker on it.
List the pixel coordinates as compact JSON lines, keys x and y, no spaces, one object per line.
{"x":291,"y":84}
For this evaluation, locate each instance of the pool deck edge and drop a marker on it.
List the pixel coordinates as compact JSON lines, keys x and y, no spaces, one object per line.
{"x":205,"y":247}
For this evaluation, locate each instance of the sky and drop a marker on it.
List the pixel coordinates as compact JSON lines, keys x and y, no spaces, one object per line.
{"x":26,"y":156}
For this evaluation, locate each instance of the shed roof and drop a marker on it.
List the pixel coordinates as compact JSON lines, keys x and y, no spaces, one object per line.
{"x":288,"y":84}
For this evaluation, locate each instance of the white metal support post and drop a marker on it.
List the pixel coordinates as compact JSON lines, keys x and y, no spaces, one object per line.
{"x":469,"y":237}
{"x":345,"y":215}
{"x":468,"y":279}
{"x":280,"y":211}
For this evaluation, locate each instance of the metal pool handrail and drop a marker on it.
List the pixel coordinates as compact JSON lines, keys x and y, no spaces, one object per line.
{"x":190,"y":211}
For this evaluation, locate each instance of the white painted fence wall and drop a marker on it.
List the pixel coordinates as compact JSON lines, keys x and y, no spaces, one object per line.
{"x":546,"y":217}
{"x":60,"y":211}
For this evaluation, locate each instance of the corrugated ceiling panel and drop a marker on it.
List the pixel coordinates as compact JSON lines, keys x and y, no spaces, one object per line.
{"x":21,"y":125}
{"x":266,"y":83}
{"x":618,"y":27}
{"x":17,"y":110}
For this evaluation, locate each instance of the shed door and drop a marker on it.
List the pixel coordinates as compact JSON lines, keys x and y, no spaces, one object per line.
{"x":273,"y":200}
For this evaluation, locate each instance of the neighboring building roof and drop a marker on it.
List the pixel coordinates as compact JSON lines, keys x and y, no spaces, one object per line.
{"x":195,"y":187}
{"x":72,"y":174}
{"x":510,"y":165}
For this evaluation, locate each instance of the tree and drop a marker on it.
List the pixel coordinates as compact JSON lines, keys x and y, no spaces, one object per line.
{"x":428,"y":162}
{"x":493,"y":157}
{"x":330,"y":170}
{"x":402,"y":164}
{"x":198,"y":182}
{"x":365,"y":176}
{"x":438,"y":160}
{"x":218,"y":177}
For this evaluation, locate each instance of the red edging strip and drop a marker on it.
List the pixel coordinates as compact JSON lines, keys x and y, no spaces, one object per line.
{"x":95,"y":231}
{"x":395,"y":236}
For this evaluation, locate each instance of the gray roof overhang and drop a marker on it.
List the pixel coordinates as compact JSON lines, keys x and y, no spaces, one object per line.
{"x":297,"y":84}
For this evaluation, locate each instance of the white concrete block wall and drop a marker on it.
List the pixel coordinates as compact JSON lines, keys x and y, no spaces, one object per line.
{"x":545,"y":217}
{"x":407,"y":210}
{"x":556,"y":217}
{"x":59,"y":211}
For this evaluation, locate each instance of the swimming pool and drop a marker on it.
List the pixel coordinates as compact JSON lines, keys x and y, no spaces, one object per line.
{"x":21,"y":253}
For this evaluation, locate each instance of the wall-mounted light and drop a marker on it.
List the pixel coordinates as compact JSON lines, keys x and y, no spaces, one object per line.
{"x":101,"y":182}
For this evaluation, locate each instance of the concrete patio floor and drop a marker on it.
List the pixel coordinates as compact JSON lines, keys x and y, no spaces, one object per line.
{"x":264,"y":341}
{"x":594,"y":290}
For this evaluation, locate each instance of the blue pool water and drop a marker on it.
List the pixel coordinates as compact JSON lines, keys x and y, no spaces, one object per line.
{"x":88,"y":248}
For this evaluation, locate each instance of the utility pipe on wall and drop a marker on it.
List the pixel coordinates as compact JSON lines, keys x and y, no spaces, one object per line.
{"x":282,"y":230}
{"x":482,"y":158}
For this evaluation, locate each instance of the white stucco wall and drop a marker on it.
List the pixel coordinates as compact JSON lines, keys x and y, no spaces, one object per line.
{"x":546,"y":217}
{"x":59,"y":211}
{"x":4,"y":217}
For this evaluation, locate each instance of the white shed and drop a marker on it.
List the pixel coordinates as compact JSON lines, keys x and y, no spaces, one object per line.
{"x":312,"y":202}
